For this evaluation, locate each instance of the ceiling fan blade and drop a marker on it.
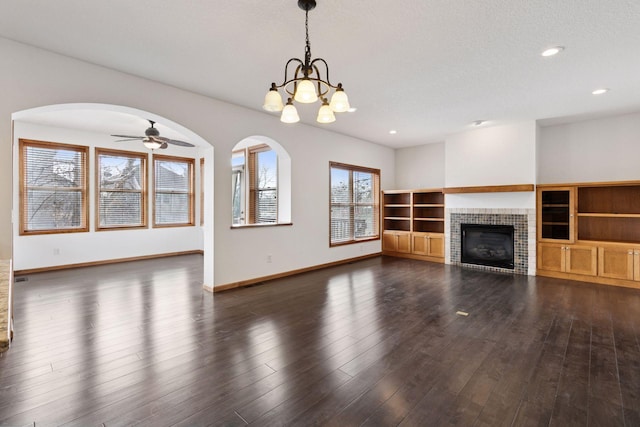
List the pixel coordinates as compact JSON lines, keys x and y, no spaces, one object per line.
{"x":128,"y":136}
{"x":164,"y":145}
{"x":175,"y":142}
{"x":128,"y":139}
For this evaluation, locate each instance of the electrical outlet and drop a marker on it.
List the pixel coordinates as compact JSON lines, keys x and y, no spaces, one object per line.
{"x":268,"y":259}
{"x":56,"y":251}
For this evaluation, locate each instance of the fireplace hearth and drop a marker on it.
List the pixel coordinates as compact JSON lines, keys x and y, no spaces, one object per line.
{"x":487,"y":244}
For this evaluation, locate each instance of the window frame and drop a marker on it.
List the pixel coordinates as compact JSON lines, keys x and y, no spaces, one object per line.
{"x":144,"y":193}
{"x":191,"y":193}
{"x":84,"y":199}
{"x":352,"y":205}
{"x":251,"y":160}
{"x":250,"y":190}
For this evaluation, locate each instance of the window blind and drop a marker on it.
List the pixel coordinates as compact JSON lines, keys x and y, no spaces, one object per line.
{"x":121,"y":189}
{"x":54,"y":187}
{"x":354,"y":210}
{"x":174,"y":191}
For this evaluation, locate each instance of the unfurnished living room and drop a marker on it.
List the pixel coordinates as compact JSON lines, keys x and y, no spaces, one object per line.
{"x":204,"y":226}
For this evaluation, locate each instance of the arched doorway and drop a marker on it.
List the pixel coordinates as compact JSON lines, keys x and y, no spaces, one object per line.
{"x":92,"y":125}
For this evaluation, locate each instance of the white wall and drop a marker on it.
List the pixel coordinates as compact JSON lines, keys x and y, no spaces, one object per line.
{"x":499,"y":155}
{"x":306,"y":242}
{"x":420,"y":167}
{"x":606,"y":149}
{"x":32,"y":78}
{"x":46,"y":250}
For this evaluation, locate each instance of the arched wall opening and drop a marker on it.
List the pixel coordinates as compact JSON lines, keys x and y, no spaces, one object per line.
{"x":83,"y":124}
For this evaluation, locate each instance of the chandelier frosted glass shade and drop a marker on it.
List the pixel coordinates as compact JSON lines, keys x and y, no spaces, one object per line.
{"x":305,"y":92}
{"x":273,"y":101}
{"x":340,"y":101}
{"x":325,"y":114}
{"x":289,"y":113}
{"x":307,"y":81}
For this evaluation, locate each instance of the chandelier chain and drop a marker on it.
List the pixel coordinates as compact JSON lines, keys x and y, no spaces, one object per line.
{"x":307,"y":50}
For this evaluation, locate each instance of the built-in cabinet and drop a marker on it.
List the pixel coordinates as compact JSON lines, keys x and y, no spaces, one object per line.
{"x":575,"y":259}
{"x":590,"y":232}
{"x":396,"y":241}
{"x":619,"y":262}
{"x":413,"y":224}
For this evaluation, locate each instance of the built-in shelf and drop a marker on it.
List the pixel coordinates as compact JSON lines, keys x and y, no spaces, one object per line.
{"x":591,"y":232}
{"x":414,"y":224}
{"x":609,"y":215}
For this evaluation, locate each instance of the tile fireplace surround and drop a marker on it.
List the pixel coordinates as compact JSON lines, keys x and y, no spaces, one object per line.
{"x":523,"y":221}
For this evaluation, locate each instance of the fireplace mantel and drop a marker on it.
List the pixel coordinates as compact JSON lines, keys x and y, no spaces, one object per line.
{"x":490,"y":189}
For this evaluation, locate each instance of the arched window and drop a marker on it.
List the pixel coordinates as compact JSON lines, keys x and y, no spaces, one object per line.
{"x":260,"y":183}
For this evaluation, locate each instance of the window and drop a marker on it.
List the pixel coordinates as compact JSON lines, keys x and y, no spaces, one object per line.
{"x":173,"y":191}
{"x":53,"y":180}
{"x":256,"y":168}
{"x":354,"y":204}
{"x":121,"y":181}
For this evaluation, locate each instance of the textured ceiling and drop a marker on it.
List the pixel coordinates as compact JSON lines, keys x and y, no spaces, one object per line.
{"x":426,"y":68}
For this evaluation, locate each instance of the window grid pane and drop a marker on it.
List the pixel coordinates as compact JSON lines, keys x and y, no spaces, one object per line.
{"x":266,"y":206}
{"x":121,"y":183}
{"x":354,"y":204}
{"x":53,"y":177}
{"x":173,"y":192}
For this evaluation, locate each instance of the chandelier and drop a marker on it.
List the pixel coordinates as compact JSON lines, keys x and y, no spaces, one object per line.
{"x":307,"y":84}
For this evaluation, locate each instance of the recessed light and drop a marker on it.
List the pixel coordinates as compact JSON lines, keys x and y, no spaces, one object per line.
{"x":393,"y":132}
{"x":352,"y":110}
{"x":552,"y":51}
{"x":478,"y":122}
{"x":600,"y":91}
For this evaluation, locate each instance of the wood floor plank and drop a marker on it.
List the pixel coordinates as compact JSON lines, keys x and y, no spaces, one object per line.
{"x":374,"y":343}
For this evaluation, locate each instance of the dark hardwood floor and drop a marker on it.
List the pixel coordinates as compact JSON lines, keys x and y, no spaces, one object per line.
{"x":375,"y":343}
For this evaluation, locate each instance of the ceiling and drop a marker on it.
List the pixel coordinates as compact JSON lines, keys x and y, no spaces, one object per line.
{"x":425,"y":68}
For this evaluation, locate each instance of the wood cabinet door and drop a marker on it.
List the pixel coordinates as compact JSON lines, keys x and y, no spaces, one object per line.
{"x":389,"y":241}
{"x":403,"y":243}
{"x":616,"y":262}
{"x":556,"y":209}
{"x":436,"y":245}
{"x":581,"y":259}
{"x":551,"y":257}
{"x":420,"y":244}
{"x":636,"y":265}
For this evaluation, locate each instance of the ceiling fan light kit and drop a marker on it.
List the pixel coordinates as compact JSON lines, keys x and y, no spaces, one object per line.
{"x":153,"y":140}
{"x":307,"y":85}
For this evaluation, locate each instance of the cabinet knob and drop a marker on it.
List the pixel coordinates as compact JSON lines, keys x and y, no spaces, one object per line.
{"x":630,"y":252}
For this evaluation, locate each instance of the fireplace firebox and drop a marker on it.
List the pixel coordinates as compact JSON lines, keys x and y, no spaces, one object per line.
{"x":485,"y":244}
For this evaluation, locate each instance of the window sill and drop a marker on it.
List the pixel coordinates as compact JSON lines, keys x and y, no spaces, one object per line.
{"x":353,"y":242}
{"x":233,"y":227}
{"x":173,"y":225}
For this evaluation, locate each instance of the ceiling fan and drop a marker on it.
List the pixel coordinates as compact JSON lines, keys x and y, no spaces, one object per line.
{"x":153,"y":140}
